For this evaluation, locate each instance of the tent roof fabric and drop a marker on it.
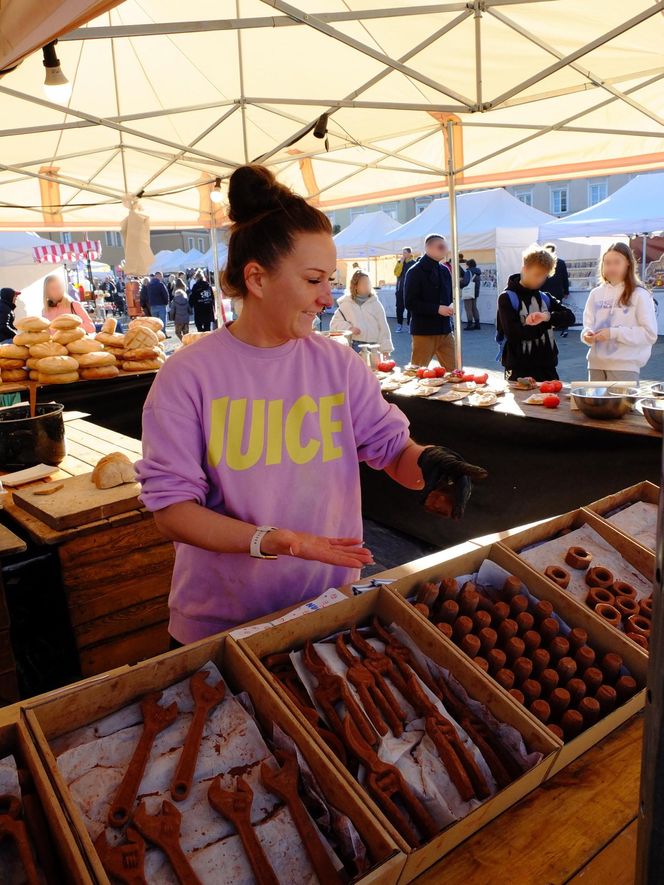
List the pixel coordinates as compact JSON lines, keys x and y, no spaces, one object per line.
{"x":481,"y":215}
{"x":558,"y":89}
{"x":637,"y":208}
{"x":360,"y":238}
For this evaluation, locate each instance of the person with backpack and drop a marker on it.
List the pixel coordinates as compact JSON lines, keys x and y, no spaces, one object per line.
{"x":470,"y":294}
{"x":619,"y":322}
{"x":362,"y":313}
{"x":201,"y":300}
{"x":180,"y":309}
{"x":527,"y":318}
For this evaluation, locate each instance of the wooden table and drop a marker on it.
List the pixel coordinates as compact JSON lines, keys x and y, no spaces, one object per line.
{"x":578,"y":828}
{"x":116,"y":572}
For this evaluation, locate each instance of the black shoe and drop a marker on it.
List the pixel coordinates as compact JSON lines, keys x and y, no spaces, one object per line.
{"x":563,"y":334}
{"x":478,"y":327}
{"x":468,"y":328}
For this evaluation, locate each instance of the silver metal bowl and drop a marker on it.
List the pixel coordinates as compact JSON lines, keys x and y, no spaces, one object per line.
{"x":605,"y":403}
{"x":653,"y":412}
{"x":657,"y":389}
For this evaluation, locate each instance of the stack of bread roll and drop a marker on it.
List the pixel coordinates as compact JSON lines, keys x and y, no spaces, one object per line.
{"x":143,"y":350}
{"x":14,"y":357}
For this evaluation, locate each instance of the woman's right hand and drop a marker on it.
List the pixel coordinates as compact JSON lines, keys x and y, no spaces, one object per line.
{"x":344,"y":552}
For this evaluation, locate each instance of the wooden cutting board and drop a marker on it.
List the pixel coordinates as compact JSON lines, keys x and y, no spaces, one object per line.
{"x":78,"y":502}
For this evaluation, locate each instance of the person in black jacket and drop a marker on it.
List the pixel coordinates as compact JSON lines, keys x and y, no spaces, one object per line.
{"x":7,"y":303}
{"x":527,"y":325}
{"x":558,"y":284}
{"x":201,"y":300}
{"x":428,"y":296}
{"x":406,"y":262}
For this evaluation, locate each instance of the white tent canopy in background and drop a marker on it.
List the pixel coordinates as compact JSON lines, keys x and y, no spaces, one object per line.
{"x":167,"y":261}
{"x":190,"y":259}
{"x":537,"y":90}
{"x":636,"y":208}
{"x":361,"y":239}
{"x":207,"y":260}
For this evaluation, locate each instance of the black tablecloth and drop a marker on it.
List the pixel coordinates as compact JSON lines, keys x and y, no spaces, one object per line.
{"x":537,"y":469}
{"x":114,"y":403}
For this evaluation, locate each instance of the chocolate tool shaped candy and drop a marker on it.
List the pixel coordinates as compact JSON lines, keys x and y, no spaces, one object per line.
{"x":235,"y":805}
{"x":385,"y":783}
{"x":123,"y":862}
{"x":330,"y":690}
{"x":402,"y":656}
{"x":283,"y":783}
{"x":206,"y":698}
{"x":12,"y":827}
{"x":155,"y":719}
{"x":363,"y":682}
{"x":163,"y":830}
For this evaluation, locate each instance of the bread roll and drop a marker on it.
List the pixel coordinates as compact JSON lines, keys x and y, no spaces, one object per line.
{"x":153,"y":323}
{"x":66,"y":336}
{"x":84,"y":345}
{"x":113,"y":470}
{"x":32,"y":363}
{"x":161,"y":336}
{"x":117,"y":352}
{"x":89,"y":360}
{"x":11,"y":364}
{"x":140,"y":337}
{"x":13,"y":352}
{"x":192,"y":337}
{"x":140,"y":365}
{"x":32,"y":324}
{"x":66,"y":321}
{"x":55,"y":365}
{"x":14,"y":375}
{"x":62,"y":378}
{"x":27,"y":339}
{"x":99,"y":372}
{"x":137,"y":354}
{"x":114,"y":340}
{"x":48,"y":348}
{"x":110,"y":325}
{"x":34,"y":375}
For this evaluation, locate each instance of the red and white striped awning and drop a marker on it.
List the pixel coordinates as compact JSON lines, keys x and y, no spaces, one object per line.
{"x":68,"y":252}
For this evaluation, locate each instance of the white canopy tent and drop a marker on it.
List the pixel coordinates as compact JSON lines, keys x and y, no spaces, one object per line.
{"x":167,"y":261}
{"x":361,"y":239}
{"x":207,"y":260}
{"x":192,"y":258}
{"x":636,"y":209}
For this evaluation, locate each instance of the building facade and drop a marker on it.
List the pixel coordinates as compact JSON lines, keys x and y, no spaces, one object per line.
{"x":113,"y":250}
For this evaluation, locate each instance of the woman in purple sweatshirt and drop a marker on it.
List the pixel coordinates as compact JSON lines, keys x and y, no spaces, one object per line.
{"x":253,"y":436}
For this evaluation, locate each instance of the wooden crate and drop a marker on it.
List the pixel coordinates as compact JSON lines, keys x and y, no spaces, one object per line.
{"x":117,"y":582}
{"x":391,"y":608}
{"x":602,"y":637}
{"x":642,"y":491}
{"x":62,"y":711}
{"x":16,"y":739}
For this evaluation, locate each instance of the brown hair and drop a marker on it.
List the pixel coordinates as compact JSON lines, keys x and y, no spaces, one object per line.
{"x":632,"y":280}
{"x":354,"y":281}
{"x":540,"y":256}
{"x":266,"y":217}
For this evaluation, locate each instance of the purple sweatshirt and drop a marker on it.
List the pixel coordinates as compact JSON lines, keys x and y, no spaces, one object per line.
{"x":270,"y":436}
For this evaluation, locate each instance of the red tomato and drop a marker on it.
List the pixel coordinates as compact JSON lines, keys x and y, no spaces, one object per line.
{"x":551,"y":402}
{"x":429,"y":373}
{"x":557,"y":386}
{"x":546,"y":387}
{"x":440,"y":371}
{"x":468,"y":378}
{"x":420,"y":373}
{"x":390,"y":364}
{"x":481,"y":379}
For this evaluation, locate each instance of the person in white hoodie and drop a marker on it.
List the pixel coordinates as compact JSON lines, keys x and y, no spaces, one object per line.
{"x":619,"y":322}
{"x":362,"y":313}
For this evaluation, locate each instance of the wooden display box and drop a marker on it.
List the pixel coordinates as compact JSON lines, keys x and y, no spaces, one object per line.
{"x":15,"y":739}
{"x":601,"y":636}
{"x":647,"y":492}
{"x":59,"y":712}
{"x":391,"y":608}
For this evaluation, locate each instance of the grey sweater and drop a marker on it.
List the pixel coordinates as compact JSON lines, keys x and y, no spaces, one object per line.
{"x":180,"y":309}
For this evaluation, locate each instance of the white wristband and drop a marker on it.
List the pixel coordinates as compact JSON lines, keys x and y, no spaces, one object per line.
{"x":255,"y":544}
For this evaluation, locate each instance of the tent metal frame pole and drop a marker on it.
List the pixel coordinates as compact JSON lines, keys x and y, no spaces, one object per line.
{"x":644,"y":246}
{"x":215,"y":265}
{"x":454,"y":244}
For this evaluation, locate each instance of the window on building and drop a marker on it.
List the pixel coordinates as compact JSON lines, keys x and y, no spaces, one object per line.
{"x":201,"y":244}
{"x":597,"y":191}
{"x":391,"y":209}
{"x":421,"y":204}
{"x":559,"y":200}
{"x":190,"y":243}
{"x":525,"y":196}
{"x":113,"y":238}
{"x":65,"y":237}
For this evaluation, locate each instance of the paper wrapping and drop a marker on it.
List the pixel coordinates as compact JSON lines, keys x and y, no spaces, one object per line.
{"x":639,"y":521}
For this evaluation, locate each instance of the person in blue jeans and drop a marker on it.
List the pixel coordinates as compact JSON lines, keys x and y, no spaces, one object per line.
{"x":158,"y":297}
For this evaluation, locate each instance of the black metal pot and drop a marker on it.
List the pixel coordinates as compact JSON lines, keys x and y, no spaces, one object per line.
{"x":26,"y":441}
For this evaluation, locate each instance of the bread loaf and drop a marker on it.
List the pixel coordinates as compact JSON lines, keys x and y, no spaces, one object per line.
{"x":138,"y":354}
{"x":66,"y":336}
{"x":96,"y":372}
{"x":140,"y":365}
{"x":32,"y":363}
{"x":32,"y":324}
{"x":84,"y":345}
{"x":113,"y":470}
{"x":100,"y":358}
{"x":14,"y":374}
{"x":140,"y":337}
{"x":117,"y":352}
{"x":108,"y":340}
{"x":110,"y":325}
{"x":27,"y":339}
{"x":153,"y":323}
{"x":11,"y":364}
{"x":56,"y":365}
{"x":13,"y":352}
{"x":61,"y":378}
{"x":48,"y":348}
{"x":192,"y":337}
{"x":66,"y":321}
{"x":34,"y":375}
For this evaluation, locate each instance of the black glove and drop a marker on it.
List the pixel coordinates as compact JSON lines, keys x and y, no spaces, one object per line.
{"x":447,"y":481}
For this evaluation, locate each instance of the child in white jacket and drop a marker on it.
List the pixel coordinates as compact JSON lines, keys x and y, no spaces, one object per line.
{"x":619,"y":322}
{"x":362,"y":313}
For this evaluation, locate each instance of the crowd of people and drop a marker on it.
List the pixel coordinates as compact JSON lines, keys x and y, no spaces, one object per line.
{"x":619,"y":321}
{"x":179,"y":298}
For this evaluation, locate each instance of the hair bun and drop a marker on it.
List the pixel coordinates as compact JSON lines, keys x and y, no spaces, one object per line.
{"x":253,"y":190}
